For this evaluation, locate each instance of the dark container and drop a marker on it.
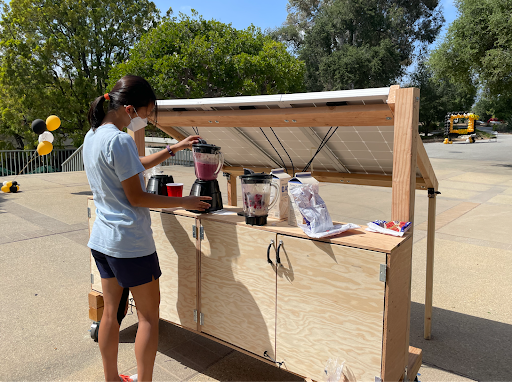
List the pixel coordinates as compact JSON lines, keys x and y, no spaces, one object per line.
{"x":157,"y":184}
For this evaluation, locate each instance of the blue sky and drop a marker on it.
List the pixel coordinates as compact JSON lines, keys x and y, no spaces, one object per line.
{"x":262,"y":13}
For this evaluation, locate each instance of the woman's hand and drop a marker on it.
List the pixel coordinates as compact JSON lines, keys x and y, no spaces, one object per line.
{"x":187,"y":142}
{"x":195,"y":203}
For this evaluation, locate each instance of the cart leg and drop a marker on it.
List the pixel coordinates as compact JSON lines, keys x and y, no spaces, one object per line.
{"x":431,"y":232}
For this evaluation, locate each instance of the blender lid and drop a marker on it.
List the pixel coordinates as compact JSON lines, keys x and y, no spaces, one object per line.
{"x":256,"y":177}
{"x":205,"y":148}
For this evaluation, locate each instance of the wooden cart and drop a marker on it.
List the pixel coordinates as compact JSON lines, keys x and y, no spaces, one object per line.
{"x":271,"y":291}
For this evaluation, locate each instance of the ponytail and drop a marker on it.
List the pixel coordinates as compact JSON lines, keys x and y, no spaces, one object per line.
{"x":96,"y":112}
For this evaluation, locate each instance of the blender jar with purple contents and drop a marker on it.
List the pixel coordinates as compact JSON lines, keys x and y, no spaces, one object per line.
{"x":256,"y":197}
{"x":208,"y":161}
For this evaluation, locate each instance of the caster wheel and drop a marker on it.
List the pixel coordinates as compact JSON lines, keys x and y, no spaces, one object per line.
{"x":95,"y":328}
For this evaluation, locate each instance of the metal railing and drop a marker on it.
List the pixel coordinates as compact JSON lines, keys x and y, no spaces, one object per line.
{"x":13,"y":162}
{"x":182,"y":158}
{"x":75,"y":162}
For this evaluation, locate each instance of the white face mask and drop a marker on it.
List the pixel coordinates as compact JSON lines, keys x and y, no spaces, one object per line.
{"x":137,"y":123}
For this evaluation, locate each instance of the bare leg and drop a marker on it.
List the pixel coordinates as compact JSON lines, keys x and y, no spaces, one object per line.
{"x":147,"y":302}
{"x":108,"y":336}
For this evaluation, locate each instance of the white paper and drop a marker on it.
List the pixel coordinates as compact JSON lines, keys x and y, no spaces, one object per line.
{"x":335,"y":230}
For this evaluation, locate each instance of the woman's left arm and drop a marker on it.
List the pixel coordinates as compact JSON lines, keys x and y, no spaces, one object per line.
{"x":158,"y":157}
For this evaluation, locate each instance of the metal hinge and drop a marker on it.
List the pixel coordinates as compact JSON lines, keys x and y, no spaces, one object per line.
{"x":201,"y":319}
{"x":89,"y":212}
{"x":92,"y":278}
{"x":201,"y":232}
{"x":195,"y":316}
{"x":378,"y":379}
{"x":382,"y":274}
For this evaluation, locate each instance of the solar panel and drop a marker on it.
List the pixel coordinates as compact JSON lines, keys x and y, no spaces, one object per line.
{"x":351,"y":149}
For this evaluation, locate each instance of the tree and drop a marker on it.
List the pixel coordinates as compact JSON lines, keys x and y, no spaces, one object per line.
{"x":477,"y":48}
{"x":489,"y":106}
{"x":350,"y":44}
{"x":189,"y":57}
{"x":55,"y":56}
{"x":438,"y":96}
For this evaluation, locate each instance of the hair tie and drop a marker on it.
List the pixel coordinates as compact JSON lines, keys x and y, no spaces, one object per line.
{"x":106,"y":96}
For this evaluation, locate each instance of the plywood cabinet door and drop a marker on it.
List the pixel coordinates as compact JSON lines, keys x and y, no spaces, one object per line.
{"x":330,"y":304}
{"x":178,"y":258}
{"x":238,"y":286}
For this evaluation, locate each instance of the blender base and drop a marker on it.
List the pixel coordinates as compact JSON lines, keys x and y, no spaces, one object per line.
{"x":256,"y":220}
{"x":208,"y":188}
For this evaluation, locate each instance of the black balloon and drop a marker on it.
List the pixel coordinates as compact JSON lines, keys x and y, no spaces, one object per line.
{"x":13,"y":189}
{"x":38,"y":126}
{"x":14,"y":183}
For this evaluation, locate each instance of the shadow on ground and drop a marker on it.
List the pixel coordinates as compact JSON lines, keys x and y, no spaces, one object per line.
{"x":474,"y":347}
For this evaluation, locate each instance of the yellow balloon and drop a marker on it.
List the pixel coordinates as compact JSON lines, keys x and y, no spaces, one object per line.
{"x":52,"y":122}
{"x":44,"y":148}
{"x":6,"y":189}
{"x":8,"y":184}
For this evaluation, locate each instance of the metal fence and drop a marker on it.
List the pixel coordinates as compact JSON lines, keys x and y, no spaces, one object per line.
{"x":182,"y":158}
{"x":13,"y":162}
{"x":75,"y":162}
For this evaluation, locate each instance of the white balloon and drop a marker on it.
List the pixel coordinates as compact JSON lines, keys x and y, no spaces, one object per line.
{"x":46,"y":136}
{"x":5,"y":182}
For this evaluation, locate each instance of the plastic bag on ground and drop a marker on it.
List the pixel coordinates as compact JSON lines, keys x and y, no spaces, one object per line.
{"x":337,"y":371}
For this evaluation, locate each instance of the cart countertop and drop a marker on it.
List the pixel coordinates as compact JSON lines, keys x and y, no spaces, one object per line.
{"x":358,"y":238}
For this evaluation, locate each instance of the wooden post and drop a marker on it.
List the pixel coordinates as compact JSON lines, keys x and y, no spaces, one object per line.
{"x":404,"y":153}
{"x":407,"y":105}
{"x":431,"y":233}
{"x":232,"y":198}
{"x":139,"y":138}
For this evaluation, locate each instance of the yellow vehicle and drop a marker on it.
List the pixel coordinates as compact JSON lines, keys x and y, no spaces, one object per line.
{"x":460,"y":123}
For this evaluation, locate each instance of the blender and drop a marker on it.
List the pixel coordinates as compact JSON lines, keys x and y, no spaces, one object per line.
{"x":208,"y":161}
{"x":256,"y":197}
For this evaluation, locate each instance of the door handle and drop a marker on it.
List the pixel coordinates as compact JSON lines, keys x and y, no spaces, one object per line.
{"x":268,"y":252}
{"x":278,"y":259}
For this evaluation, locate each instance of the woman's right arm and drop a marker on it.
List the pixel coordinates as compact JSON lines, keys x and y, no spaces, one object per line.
{"x":139,"y":198}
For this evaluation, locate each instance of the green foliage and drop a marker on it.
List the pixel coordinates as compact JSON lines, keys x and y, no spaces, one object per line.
{"x":438,"y":96}
{"x":350,"y":44}
{"x":489,"y":106}
{"x":189,"y":57}
{"x":477,"y":48}
{"x":55,"y":56}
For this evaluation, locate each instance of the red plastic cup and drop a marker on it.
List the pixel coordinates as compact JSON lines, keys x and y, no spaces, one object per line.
{"x":175,"y":189}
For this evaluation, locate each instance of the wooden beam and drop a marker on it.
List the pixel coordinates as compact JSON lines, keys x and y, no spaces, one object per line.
{"x":172,"y":132}
{"x":351,"y":115}
{"x":139,"y":137}
{"x":95,"y":299}
{"x":429,"y":282}
{"x":414,"y":364}
{"x":392,"y":96}
{"x":232,"y":198}
{"x":425,"y":166}
{"x":336,"y":177}
{"x":404,"y":154}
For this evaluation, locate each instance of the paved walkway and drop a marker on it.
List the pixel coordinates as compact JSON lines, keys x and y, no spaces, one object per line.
{"x":44,"y":268}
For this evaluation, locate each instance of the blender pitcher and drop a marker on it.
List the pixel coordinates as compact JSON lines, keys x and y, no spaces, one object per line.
{"x":208,"y":161}
{"x":256,"y":197}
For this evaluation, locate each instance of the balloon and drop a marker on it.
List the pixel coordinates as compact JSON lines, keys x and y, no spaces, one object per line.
{"x":44,"y":148}
{"x":52,"y":122}
{"x":5,"y":182}
{"x":38,"y":126}
{"x":6,"y":189}
{"x":14,"y":189}
{"x":8,"y":184}
{"x":46,"y":136}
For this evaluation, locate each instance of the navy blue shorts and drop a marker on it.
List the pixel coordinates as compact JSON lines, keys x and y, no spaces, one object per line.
{"x":129,"y":272}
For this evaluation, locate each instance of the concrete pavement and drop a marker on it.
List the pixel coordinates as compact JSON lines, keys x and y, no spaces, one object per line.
{"x":44,"y":268}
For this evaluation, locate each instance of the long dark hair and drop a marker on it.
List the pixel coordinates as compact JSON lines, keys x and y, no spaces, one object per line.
{"x":129,"y":90}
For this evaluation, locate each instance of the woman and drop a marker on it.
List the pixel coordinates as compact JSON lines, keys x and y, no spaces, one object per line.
{"x":121,"y":239}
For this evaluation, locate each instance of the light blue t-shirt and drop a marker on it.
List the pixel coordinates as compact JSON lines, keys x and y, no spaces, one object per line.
{"x":120,"y":230}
